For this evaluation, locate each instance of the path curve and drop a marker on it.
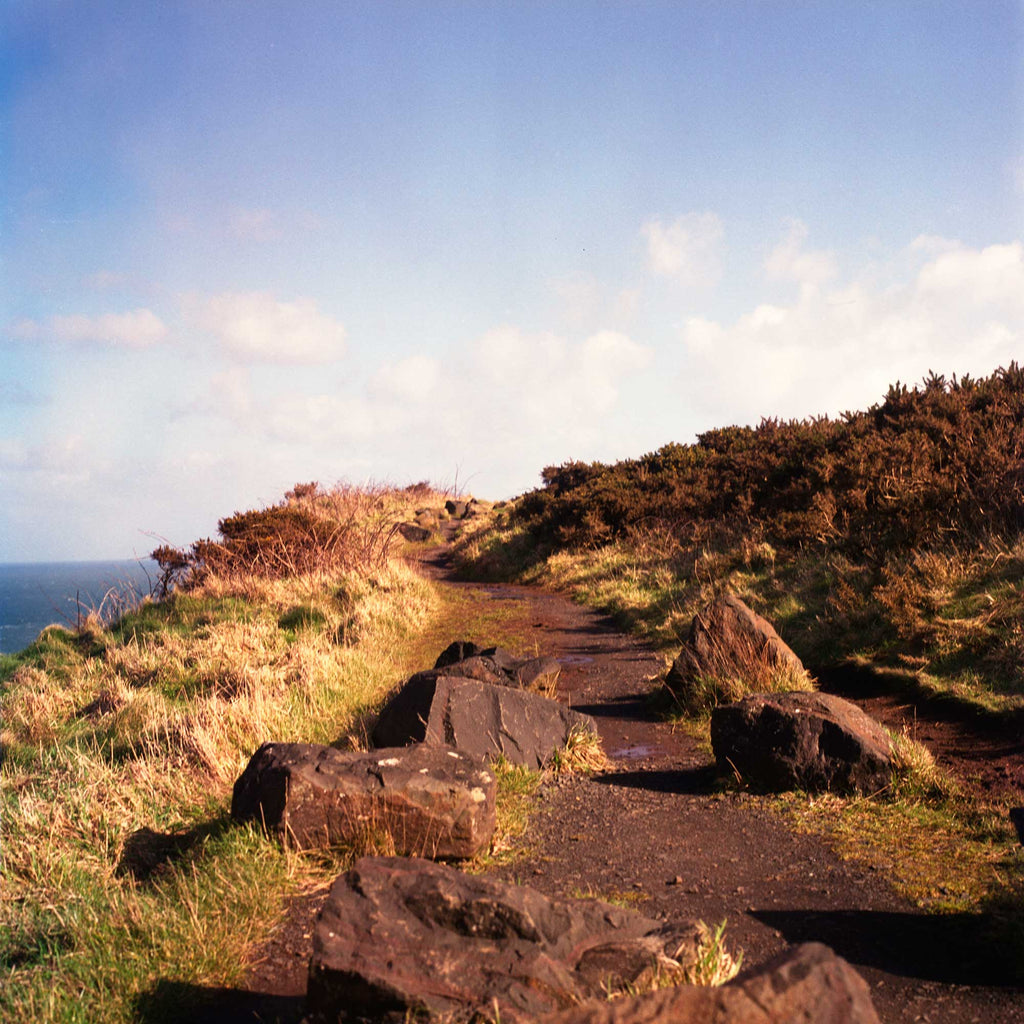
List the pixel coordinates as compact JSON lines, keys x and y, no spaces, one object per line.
{"x":656,"y":831}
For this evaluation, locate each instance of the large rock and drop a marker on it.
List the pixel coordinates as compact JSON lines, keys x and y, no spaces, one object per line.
{"x":432,"y":802}
{"x":497,"y":666}
{"x":414,"y":533}
{"x":402,"y":937}
{"x":811,"y":741}
{"x":482,"y":719}
{"x":806,"y":983}
{"x":729,"y":639}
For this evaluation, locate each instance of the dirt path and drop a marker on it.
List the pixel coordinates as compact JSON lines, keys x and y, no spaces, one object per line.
{"x":655,"y":830}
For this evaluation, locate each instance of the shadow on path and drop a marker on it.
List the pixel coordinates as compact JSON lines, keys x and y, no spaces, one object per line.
{"x":689,"y":781}
{"x":171,"y":1002}
{"x":960,"y":949}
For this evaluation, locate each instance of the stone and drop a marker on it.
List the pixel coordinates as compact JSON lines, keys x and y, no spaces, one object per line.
{"x":809,"y":741}
{"x":456,"y":651}
{"x":432,"y":802}
{"x":456,"y":509}
{"x":413,"y":532}
{"x":805,"y":983}
{"x":730,"y":639}
{"x":482,"y":719}
{"x":497,"y":666}
{"x":402,"y":938}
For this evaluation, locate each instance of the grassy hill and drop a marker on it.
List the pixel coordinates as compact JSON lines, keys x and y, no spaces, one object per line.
{"x":894,"y":534}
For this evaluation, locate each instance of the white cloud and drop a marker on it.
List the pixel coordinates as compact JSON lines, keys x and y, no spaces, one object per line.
{"x":256,"y":326}
{"x":960,"y":310}
{"x":411,"y":379}
{"x":687,"y":250}
{"x":789,"y":261}
{"x":140,"y":328}
{"x":506,"y":403}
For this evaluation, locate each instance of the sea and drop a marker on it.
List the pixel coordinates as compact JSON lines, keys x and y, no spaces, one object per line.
{"x":34,"y":595}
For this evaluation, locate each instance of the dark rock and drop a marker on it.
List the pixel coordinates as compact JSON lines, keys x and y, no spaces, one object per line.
{"x":456,"y":651}
{"x":805,"y":983}
{"x":811,"y":741}
{"x":1017,"y":818}
{"x":497,"y":666}
{"x":413,"y":532}
{"x":401,"y":937}
{"x":431,"y":802}
{"x":479,"y":718}
{"x":538,"y":673}
{"x":728,"y":638}
{"x":456,"y":509}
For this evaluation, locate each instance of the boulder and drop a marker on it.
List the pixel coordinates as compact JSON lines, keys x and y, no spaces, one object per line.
{"x":427,"y":518}
{"x":805,"y":983}
{"x":402,"y":938}
{"x":431,"y":802}
{"x":810,"y":741}
{"x":729,"y":639}
{"x":455,"y":508}
{"x":413,"y":532}
{"x":497,"y":666}
{"x":482,"y":719}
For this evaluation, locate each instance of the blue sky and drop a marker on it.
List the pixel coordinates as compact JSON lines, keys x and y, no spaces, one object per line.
{"x":246,"y":244}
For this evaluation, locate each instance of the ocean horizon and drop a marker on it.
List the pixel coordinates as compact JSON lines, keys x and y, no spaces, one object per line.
{"x":34,"y":595}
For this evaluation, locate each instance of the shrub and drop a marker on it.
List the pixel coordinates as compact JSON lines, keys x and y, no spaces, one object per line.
{"x":937,"y":464}
{"x":310,"y":531}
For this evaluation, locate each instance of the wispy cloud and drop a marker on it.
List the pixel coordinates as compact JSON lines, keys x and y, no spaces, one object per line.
{"x":791,"y":261}
{"x":688,"y":250}
{"x":140,"y":328}
{"x":960,"y":310}
{"x":255,"y":326}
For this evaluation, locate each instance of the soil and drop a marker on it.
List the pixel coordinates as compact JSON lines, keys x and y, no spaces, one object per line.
{"x":659,"y":831}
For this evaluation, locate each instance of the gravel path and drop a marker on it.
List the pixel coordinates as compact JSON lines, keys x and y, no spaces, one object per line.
{"x":656,"y":831}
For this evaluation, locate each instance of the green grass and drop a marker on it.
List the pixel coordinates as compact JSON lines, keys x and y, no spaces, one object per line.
{"x":145,"y":725}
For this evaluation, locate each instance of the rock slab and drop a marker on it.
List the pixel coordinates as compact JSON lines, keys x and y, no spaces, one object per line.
{"x":729,"y":638}
{"x":432,"y":802}
{"x":401,"y":937}
{"x":479,"y":718}
{"x":497,"y":666}
{"x":810,"y":741}
{"x":806,"y":983}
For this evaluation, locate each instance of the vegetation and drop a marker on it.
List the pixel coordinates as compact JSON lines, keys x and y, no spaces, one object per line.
{"x":887,"y":543}
{"x":121,"y":871}
{"x":894,"y":535}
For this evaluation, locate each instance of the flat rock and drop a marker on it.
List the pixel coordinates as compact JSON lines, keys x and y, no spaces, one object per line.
{"x":729,"y":638}
{"x":402,"y":938}
{"x":805,"y":983}
{"x":810,"y":741}
{"x":497,"y":666}
{"x":480,"y":718}
{"x":432,"y":802}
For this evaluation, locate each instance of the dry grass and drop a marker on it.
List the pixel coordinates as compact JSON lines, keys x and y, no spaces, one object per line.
{"x":145,"y":725}
{"x":582,"y":753}
{"x":709,"y":965}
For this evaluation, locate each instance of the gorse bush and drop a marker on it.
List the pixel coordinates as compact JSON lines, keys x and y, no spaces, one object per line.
{"x":937,"y":464}
{"x":310,"y":531}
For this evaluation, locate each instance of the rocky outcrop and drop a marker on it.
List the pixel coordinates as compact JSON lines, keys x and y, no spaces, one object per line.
{"x":810,"y":741}
{"x":497,"y":666}
{"x":806,"y":983}
{"x":427,"y":801}
{"x":402,"y":937}
{"x":729,"y":639}
{"x":482,"y":719}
